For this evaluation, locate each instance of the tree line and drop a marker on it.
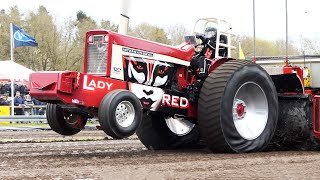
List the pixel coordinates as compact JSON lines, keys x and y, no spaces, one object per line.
{"x":61,"y":46}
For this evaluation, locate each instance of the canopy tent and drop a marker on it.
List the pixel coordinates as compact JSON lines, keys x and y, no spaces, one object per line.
{"x":17,"y":71}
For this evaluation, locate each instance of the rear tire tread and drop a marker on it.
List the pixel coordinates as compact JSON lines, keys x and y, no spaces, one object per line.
{"x":210,"y":124}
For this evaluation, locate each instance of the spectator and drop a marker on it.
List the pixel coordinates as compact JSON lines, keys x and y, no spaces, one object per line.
{"x":23,"y":89}
{"x":2,"y":88}
{"x":2,"y":100}
{"x":16,"y":88}
{"x":6,"y":102}
{"x":7,"y":89}
{"x":18,"y":101}
{"x":28,"y":102}
{"x":36,"y":102}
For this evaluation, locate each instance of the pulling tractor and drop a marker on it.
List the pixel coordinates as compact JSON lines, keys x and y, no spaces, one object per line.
{"x":178,"y":97}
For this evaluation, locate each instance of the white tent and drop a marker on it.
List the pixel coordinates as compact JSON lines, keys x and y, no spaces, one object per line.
{"x":19,"y":72}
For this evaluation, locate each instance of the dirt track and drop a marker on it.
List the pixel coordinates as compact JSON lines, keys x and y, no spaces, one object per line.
{"x":128,"y":159}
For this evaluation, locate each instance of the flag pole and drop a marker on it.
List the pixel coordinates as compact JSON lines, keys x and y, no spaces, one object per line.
{"x":12,"y":60}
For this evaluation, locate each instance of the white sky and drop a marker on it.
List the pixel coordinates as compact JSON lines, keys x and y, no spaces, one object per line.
{"x":270,"y":14}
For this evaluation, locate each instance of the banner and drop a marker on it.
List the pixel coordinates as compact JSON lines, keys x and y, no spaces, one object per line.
{"x":21,"y":38}
{"x":241,"y":54}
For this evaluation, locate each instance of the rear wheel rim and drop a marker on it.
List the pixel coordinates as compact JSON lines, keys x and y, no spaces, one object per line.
{"x":125,"y":113}
{"x":179,"y":126}
{"x":250,"y":110}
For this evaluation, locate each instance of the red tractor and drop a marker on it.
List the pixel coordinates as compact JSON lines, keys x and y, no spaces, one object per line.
{"x":175,"y":97}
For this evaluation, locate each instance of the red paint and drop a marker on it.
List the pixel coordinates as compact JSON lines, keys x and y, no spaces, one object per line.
{"x":291,"y":93}
{"x":150,"y":70}
{"x":91,"y":33}
{"x":89,"y":94}
{"x":287,"y":61}
{"x":88,"y":90}
{"x":254,"y":59}
{"x":311,"y":92}
{"x":208,"y":53}
{"x":315,"y":118}
{"x":182,"y":77}
{"x":287,"y":70}
{"x":240,"y":110}
{"x":216,"y":63}
{"x":193,"y":110}
{"x":185,"y":54}
{"x":296,"y":69}
{"x":153,"y":47}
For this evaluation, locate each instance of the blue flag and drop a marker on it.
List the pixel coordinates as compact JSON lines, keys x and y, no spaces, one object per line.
{"x":21,"y":38}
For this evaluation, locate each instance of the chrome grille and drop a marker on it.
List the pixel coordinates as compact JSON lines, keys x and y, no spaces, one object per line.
{"x":97,"y":55}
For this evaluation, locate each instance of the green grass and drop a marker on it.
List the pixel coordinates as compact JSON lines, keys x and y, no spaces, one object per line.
{"x":32,"y":124}
{"x":15,"y":124}
{"x":55,"y":139}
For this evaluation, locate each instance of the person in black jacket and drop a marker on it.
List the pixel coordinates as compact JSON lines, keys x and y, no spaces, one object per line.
{"x":19,"y":101}
{"x":2,"y":90}
{"x":2,"y":100}
{"x":7,"y":89}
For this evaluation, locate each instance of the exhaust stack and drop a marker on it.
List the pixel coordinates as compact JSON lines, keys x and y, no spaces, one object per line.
{"x":124,"y":18}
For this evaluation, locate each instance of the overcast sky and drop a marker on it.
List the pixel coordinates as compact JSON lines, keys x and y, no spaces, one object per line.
{"x":270,"y":14}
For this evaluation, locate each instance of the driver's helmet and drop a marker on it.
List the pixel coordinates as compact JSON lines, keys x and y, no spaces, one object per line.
{"x":211,"y":33}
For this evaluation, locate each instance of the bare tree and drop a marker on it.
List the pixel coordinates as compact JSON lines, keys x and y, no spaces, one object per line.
{"x":106,"y":24}
{"x":177,"y":33}
{"x":309,"y":46}
{"x":263,"y":47}
{"x":150,"y":32}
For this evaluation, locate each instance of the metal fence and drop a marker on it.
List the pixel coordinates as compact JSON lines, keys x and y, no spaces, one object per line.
{"x":26,"y":114}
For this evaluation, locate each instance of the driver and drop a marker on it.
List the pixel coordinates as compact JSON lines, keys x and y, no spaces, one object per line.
{"x":201,"y":62}
{"x":211,"y":34}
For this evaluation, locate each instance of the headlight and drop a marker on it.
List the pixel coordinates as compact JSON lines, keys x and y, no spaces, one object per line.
{"x":105,"y":39}
{"x":90,"y":39}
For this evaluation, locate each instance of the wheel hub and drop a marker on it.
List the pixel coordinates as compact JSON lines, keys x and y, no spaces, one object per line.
{"x":239,"y":109}
{"x":125,"y":113}
{"x":73,"y":120}
{"x":250,"y":110}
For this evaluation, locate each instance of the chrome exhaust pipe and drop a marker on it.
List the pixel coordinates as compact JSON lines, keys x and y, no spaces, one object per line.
{"x":124,"y":18}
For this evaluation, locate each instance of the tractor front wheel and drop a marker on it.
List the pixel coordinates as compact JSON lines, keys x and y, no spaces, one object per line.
{"x":238,"y":108}
{"x":120,"y":114}
{"x":64,"y":121}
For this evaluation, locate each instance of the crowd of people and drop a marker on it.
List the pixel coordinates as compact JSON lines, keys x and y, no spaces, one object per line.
{"x":23,"y":102}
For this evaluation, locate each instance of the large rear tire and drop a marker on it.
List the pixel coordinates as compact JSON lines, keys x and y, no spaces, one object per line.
{"x":238,"y":108}
{"x":63,"y":121}
{"x":155,"y":134}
